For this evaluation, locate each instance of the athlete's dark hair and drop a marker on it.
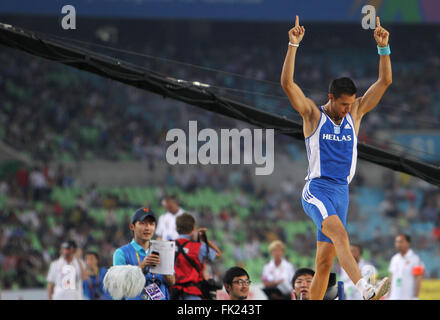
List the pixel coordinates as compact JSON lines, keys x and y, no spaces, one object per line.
{"x":341,"y":86}
{"x":232,"y":273}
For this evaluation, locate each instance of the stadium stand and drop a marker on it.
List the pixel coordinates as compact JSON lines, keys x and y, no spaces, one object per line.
{"x":58,"y":115}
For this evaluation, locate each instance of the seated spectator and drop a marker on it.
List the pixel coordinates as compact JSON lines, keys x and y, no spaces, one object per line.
{"x":277,"y":274}
{"x":301,"y":282}
{"x":237,"y":283}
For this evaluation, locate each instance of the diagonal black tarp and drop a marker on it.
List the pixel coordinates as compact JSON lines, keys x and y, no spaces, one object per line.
{"x":191,"y":93}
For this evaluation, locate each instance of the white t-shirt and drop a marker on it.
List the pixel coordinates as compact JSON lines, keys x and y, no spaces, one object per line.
{"x":350,"y":290}
{"x":67,"y":279}
{"x":284,"y":271}
{"x":37,"y":179}
{"x":166,"y":226}
{"x":402,"y":270}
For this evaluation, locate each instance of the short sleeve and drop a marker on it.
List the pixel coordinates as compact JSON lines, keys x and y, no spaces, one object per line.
{"x":159,"y":228}
{"x":419,"y":268}
{"x":420,"y":262}
{"x":212,"y":254}
{"x":51,"y":274}
{"x":392,"y":267}
{"x":119,"y":258}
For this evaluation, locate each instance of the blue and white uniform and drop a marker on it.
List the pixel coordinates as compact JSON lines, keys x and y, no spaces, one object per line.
{"x":332,"y":155}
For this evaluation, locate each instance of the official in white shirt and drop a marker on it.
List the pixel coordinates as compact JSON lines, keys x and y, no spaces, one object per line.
{"x":368,"y":271}
{"x":278,"y":274}
{"x":166,"y":225}
{"x":66,"y":275}
{"x":406,"y":270}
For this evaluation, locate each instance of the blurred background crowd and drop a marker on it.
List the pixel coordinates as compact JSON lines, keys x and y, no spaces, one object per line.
{"x":66,"y":114}
{"x":36,"y":218}
{"x":58,"y":116}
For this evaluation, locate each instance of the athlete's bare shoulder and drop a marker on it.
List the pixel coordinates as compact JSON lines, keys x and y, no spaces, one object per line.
{"x":311,"y":119}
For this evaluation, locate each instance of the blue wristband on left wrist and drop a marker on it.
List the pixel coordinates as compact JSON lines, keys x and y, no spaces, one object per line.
{"x":384,"y":51}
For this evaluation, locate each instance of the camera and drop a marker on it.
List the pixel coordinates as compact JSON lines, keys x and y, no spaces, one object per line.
{"x":202,"y":237}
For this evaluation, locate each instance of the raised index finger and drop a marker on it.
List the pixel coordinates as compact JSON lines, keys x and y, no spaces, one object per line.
{"x":297,"y":21}
{"x":377,"y":22}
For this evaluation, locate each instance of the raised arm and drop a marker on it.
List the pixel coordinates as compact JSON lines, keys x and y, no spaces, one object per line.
{"x":373,"y":95}
{"x":299,"y":101}
{"x":78,"y":257}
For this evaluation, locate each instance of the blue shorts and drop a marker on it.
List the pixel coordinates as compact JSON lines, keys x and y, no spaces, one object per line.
{"x":322,"y":198}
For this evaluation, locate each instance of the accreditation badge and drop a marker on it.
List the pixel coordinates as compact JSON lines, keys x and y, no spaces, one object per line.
{"x":153,"y":292}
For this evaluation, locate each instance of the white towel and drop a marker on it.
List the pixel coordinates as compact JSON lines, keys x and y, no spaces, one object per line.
{"x":124,"y":281}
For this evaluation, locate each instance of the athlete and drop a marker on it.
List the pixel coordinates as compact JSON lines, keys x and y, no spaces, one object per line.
{"x":330,"y":133}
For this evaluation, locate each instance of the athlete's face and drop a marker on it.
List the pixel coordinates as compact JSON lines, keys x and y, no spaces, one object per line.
{"x":302,"y":286}
{"x":341,"y":105}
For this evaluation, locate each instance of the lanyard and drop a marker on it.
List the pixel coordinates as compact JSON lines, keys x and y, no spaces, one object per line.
{"x":139,"y":261}
{"x":92,"y":290}
{"x":405,"y":260}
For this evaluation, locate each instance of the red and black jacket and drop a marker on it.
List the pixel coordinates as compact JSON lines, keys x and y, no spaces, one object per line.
{"x":188,"y":267}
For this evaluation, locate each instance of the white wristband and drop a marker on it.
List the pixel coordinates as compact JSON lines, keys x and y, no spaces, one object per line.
{"x":293,"y":44}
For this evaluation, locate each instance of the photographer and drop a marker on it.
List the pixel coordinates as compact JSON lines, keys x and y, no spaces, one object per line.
{"x":189,"y":258}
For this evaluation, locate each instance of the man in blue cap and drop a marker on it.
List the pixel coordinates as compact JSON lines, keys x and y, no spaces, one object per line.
{"x":138,"y":253}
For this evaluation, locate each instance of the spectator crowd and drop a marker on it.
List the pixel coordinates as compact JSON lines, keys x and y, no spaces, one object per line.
{"x":54,"y":112}
{"x":58,"y":115}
